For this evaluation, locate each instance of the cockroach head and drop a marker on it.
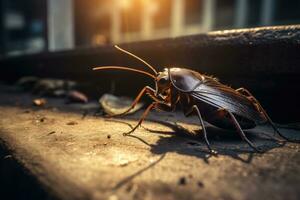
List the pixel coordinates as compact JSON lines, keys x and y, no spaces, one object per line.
{"x":163,"y":77}
{"x":163,"y":82}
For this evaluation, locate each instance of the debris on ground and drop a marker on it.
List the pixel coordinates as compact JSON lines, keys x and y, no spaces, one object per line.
{"x":46,"y":86}
{"x":50,"y":133}
{"x":182,"y":181}
{"x":72,"y":123}
{"x":81,"y":158}
{"x":8,"y":157}
{"x":39,"y":102}
{"x":53,"y":87}
{"x":27,"y":82}
{"x":75,"y":96}
{"x":42,"y":119}
{"x":114,"y":105}
{"x":200,"y":184}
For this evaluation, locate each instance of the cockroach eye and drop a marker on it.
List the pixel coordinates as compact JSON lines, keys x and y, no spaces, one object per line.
{"x":163,"y":81}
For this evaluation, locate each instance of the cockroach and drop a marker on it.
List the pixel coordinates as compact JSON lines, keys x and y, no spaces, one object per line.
{"x":201,"y":95}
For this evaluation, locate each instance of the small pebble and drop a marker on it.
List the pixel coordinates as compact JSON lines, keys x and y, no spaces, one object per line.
{"x":8,"y":157}
{"x":108,"y":136}
{"x":39,"y":102}
{"x":129,"y":187}
{"x":43,"y":119}
{"x":76,"y":97}
{"x":182,"y":181}
{"x":72,"y":123}
{"x":52,"y":132}
{"x":200,"y":184}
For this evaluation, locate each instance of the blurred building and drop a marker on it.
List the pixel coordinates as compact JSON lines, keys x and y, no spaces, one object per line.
{"x":22,"y":26}
{"x":37,"y":25}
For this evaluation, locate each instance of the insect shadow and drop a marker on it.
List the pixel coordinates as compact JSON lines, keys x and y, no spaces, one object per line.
{"x":183,"y":141}
{"x":129,"y":178}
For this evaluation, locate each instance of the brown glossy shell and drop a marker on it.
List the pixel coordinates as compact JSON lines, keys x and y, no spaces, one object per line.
{"x":211,"y":91}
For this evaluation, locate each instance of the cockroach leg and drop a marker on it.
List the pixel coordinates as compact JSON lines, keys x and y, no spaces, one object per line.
{"x":273,"y":125}
{"x":154,"y":105}
{"x":144,"y":91}
{"x":150,"y":107}
{"x":254,"y":100}
{"x":244,"y":91}
{"x":241,"y":132}
{"x":195,"y":108}
{"x":187,"y":113}
{"x":275,"y":128}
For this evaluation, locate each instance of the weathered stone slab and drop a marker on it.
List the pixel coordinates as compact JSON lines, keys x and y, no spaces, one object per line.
{"x":86,"y":157}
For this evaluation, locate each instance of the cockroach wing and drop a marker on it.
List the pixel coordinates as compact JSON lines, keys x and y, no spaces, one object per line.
{"x":221,"y":96}
{"x":185,"y":80}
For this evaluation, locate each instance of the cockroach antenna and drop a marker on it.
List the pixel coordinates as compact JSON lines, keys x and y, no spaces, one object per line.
{"x":140,"y":59}
{"x":124,"y":68}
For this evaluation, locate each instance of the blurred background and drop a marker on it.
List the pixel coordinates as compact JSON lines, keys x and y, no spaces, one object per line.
{"x":30,"y":26}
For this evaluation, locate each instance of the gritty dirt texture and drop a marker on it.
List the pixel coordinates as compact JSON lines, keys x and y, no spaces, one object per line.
{"x":76,"y":156}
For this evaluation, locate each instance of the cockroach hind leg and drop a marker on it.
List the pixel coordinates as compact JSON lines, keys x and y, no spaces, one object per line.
{"x":255,"y":101}
{"x":286,"y":138}
{"x":244,"y":91}
{"x":255,"y":148}
{"x":213,"y":152}
{"x":258,"y":149}
{"x":242,"y":134}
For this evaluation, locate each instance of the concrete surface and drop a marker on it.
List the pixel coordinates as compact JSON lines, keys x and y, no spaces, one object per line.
{"x":74,"y":154}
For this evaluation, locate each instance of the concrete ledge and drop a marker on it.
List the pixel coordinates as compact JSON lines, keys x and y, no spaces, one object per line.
{"x":90,"y":159}
{"x":264,"y":60}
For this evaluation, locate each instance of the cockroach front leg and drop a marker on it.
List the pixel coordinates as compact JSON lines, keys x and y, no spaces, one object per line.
{"x":154,"y":105}
{"x":146,"y":90}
